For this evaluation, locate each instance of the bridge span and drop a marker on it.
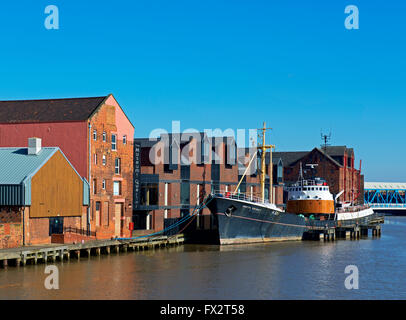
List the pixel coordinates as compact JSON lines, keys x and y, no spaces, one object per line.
{"x":386,"y":196}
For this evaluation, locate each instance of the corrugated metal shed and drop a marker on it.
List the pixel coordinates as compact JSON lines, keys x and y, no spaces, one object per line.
{"x":17,"y":169}
{"x":12,"y":195}
{"x":16,"y":164}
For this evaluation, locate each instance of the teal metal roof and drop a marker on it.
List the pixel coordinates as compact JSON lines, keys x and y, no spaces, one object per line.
{"x":17,"y":168}
{"x":16,"y":164}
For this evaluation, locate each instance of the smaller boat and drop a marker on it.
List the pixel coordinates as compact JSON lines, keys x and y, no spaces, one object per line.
{"x":312,"y":199}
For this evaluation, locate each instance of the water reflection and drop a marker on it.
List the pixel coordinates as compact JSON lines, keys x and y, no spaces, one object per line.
{"x":288,"y":270}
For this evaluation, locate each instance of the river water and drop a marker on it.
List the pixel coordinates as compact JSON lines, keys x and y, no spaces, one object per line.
{"x":289,"y":270}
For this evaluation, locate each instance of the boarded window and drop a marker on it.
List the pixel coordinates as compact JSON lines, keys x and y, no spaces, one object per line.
{"x":105,"y":213}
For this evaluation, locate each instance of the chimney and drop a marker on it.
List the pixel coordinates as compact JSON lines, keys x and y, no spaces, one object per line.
{"x":34,"y":146}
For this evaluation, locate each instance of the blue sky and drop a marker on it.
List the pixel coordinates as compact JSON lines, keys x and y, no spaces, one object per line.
{"x":225,"y":64}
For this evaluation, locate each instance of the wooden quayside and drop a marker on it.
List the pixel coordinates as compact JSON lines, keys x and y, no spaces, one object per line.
{"x":354,"y":229}
{"x":59,"y":252}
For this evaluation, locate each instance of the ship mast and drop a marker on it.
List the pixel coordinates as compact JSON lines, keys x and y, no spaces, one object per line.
{"x":263,"y":148}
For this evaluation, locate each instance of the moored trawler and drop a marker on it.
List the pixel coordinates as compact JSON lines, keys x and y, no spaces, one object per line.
{"x":312,"y":198}
{"x":246,"y":219}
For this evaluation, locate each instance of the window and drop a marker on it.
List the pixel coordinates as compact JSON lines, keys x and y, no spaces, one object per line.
{"x":116,"y":188}
{"x":113,"y":142}
{"x":94,"y":134}
{"x":104,"y":136}
{"x":117,"y":169}
{"x":104,"y":160}
{"x":149,"y":194}
{"x":95,"y":158}
{"x":94,"y":186}
{"x":124,"y":139}
{"x":104,"y":184}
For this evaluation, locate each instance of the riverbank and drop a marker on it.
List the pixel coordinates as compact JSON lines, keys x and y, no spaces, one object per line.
{"x":54,"y":252}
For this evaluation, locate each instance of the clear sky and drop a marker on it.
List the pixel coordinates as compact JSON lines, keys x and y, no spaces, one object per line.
{"x":225,"y":64}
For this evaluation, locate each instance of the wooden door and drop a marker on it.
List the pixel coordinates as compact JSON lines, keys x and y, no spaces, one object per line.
{"x":117,"y":219}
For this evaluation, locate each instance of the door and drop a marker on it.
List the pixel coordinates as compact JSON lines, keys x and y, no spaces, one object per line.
{"x":117,"y":219}
{"x":56,"y":225}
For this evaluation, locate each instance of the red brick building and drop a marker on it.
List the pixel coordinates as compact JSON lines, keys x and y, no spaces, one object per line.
{"x":97,"y":138}
{"x":176,"y":172}
{"x":334,"y":163}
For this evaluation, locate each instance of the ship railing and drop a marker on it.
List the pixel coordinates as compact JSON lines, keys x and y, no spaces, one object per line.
{"x":238,"y":196}
{"x":352,"y":208}
{"x":388,"y":205}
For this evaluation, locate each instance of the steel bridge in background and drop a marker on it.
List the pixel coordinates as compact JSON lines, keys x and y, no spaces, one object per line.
{"x":385,"y":196}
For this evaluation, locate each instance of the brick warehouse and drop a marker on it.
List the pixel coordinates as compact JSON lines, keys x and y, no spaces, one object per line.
{"x":39,"y":188}
{"x":175,"y":172}
{"x":97,"y":138}
{"x":335,"y":164}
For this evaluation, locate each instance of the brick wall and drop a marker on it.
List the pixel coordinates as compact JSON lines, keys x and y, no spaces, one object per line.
{"x":37,"y":231}
{"x":10,"y":228}
{"x":200,"y":174}
{"x":338,"y":177}
{"x":104,"y":121}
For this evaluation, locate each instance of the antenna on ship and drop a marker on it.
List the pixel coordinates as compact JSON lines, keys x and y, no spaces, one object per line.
{"x":263,"y":147}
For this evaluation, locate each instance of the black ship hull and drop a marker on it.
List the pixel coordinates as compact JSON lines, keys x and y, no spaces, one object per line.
{"x":240,"y":221}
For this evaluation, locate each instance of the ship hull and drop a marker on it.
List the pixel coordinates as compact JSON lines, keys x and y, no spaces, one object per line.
{"x":249,"y":222}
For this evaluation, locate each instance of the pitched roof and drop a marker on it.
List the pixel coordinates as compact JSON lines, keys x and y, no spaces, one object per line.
{"x":337,"y":150}
{"x":328,"y":157}
{"x":16,"y":164}
{"x":289,"y":157}
{"x":48,"y":110}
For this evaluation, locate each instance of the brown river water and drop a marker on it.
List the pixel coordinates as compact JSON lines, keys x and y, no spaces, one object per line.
{"x":289,"y":270}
